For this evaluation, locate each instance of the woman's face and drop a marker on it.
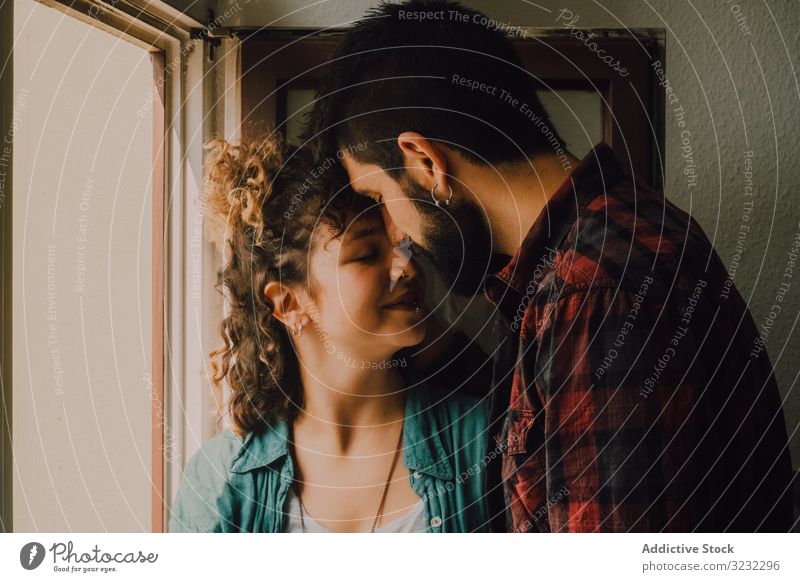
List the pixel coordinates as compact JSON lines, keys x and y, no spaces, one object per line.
{"x":368,"y":292}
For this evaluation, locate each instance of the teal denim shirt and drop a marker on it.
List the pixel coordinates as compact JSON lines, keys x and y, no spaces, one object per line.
{"x":239,"y":484}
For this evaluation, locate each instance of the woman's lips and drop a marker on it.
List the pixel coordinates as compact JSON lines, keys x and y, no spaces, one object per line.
{"x":409,"y":301}
{"x":402,"y":307}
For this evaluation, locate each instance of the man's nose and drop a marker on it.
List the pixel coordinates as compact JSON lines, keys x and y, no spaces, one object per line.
{"x":403,"y":266}
{"x":394,"y":232}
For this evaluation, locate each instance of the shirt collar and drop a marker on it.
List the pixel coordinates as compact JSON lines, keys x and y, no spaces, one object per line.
{"x":422,"y":445}
{"x":597,"y":172}
{"x":260,"y":449}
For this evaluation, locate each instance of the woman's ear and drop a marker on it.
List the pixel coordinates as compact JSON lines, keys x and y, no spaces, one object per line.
{"x":285,"y":306}
{"x":425,"y":161}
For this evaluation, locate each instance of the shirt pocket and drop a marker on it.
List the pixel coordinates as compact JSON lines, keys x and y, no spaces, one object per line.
{"x":516,"y":431}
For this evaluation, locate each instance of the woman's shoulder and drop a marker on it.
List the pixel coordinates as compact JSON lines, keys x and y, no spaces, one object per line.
{"x":459,"y":419}
{"x":204,"y":478}
{"x":452,"y":406}
{"x":214,"y":457}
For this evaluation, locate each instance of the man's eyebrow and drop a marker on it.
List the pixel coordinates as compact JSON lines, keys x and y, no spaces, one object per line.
{"x":369,"y":193}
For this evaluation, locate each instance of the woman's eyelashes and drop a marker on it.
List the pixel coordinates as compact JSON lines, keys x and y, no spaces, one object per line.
{"x":367,"y":258}
{"x":363,"y":254}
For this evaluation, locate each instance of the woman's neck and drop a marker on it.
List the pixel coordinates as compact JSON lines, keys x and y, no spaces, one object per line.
{"x":346,"y":405}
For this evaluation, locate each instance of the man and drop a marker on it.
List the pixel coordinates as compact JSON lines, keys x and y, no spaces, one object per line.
{"x":630,"y":390}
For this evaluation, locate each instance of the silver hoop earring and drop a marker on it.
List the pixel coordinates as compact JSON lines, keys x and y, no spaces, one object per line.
{"x":297,"y":329}
{"x":446,"y":201}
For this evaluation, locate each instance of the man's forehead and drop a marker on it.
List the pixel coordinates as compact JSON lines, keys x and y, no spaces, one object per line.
{"x":361,"y":174}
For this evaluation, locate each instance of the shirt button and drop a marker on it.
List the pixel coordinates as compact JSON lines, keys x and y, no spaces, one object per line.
{"x":436,"y":521}
{"x":417,"y":474}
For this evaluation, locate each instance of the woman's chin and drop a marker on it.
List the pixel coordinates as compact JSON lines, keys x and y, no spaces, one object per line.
{"x":401,"y":338}
{"x":410,"y":336}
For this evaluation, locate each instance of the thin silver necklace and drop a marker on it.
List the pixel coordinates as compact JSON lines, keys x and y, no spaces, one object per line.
{"x":383,"y":495}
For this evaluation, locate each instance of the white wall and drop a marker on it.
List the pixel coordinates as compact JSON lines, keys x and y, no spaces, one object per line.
{"x":82,"y":352}
{"x":740,"y":91}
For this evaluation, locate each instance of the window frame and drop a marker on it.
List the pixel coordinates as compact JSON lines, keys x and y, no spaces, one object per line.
{"x":6,"y":255}
{"x":184,"y":81}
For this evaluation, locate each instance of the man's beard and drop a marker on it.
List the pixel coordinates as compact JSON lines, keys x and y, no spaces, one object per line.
{"x":457,"y":240}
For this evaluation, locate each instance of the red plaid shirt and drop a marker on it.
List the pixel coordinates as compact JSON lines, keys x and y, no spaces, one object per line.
{"x":631,"y":388}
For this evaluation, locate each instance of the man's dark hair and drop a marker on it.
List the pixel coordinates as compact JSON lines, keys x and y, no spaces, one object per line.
{"x":398,"y":70}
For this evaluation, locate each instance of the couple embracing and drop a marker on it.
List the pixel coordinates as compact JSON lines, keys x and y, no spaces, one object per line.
{"x":625,"y":392}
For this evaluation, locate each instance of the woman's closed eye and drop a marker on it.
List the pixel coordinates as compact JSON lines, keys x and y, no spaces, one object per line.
{"x":366,"y":256}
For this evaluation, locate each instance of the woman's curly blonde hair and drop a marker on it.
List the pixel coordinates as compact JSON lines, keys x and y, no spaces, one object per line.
{"x":262,"y":200}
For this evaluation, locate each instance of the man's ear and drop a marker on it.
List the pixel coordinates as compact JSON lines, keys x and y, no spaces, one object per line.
{"x":424,"y":160}
{"x":285,"y":305}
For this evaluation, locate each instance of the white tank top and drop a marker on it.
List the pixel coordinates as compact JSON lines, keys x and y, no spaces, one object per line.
{"x":413,"y":521}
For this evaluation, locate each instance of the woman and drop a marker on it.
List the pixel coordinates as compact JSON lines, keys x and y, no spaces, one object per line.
{"x":328,"y":433}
